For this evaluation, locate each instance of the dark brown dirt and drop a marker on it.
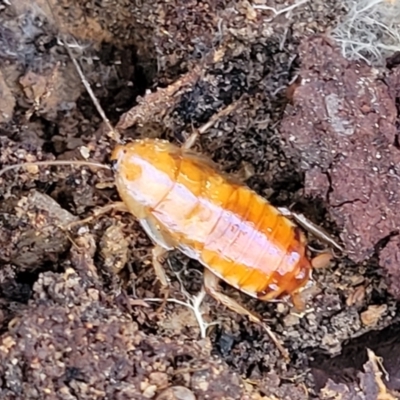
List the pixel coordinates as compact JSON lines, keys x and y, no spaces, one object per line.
{"x":76,"y":315}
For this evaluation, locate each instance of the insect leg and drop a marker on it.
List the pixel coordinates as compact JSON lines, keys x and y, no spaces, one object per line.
{"x":298,"y":301}
{"x":158,"y":255}
{"x":321,"y":260}
{"x":211,"y":287}
{"x":162,"y":246}
{"x":190,"y":141}
{"x":117,"y":206}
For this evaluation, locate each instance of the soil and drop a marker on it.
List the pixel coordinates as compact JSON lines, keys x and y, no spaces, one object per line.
{"x":80,"y":315}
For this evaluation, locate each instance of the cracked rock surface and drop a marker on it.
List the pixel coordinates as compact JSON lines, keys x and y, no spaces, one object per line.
{"x":343,"y":125}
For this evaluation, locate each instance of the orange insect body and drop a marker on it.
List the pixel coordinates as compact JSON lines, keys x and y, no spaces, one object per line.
{"x":184,"y":203}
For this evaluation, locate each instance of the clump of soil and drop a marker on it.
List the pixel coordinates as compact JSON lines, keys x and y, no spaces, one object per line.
{"x":80,"y":308}
{"x":78,"y":342}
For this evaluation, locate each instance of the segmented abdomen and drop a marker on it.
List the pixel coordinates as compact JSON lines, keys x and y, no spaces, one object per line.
{"x":232,"y":231}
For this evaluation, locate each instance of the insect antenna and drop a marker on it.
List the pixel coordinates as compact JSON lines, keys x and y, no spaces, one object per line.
{"x":113,"y":133}
{"x":56,"y":162}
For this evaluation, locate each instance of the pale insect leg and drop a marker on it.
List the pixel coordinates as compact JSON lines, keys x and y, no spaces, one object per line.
{"x":158,"y":257}
{"x":117,"y":206}
{"x":190,"y":141}
{"x":211,"y":285}
{"x":212,"y":288}
{"x":310,"y":227}
{"x":298,"y":301}
{"x":322,"y":260}
{"x":162,"y":246}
